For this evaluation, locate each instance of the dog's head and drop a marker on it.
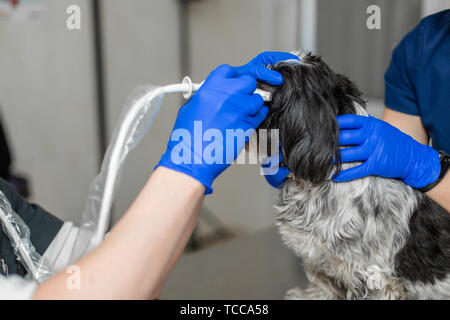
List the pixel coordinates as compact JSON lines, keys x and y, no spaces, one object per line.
{"x":304,"y":110}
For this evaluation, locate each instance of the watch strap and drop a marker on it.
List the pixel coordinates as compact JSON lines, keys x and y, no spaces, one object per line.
{"x":445,"y":165}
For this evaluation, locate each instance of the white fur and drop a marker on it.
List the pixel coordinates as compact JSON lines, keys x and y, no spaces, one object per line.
{"x":348,"y":235}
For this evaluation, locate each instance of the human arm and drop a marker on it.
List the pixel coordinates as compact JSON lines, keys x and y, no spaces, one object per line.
{"x":386,"y":151}
{"x":141,"y":249}
{"x":412,"y":125}
{"x":133,"y":261}
{"x":398,"y":146}
{"x":441,"y":192}
{"x":408,"y":124}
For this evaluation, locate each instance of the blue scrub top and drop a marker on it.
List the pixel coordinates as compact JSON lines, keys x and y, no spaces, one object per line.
{"x":418,"y":78}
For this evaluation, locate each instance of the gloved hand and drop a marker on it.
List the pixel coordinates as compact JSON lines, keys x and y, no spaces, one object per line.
{"x":386,"y":152}
{"x":257,"y":68}
{"x":224,"y":101}
{"x":273,"y":172}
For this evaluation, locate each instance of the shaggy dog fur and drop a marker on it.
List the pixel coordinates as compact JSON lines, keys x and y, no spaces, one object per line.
{"x":372,"y":238}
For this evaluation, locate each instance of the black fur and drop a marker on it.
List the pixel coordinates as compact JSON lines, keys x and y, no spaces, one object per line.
{"x":426,"y":255}
{"x":304,"y":109}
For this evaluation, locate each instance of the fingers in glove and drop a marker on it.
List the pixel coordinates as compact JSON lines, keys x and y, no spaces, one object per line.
{"x":352,"y":173}
{"x":351,"y":121}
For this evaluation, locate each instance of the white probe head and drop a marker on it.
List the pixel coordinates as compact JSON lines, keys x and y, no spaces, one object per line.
{"x":266,"y":95}
{"x":192,"y":87}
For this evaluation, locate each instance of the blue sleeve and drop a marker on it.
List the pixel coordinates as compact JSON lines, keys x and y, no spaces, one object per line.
{"x":400,"y":93}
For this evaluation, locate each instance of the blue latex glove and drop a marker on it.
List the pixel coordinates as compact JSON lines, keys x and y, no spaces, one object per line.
{"x":257,"y":68}
{"x":224,"y":101}
{"x":385,"y":151}
{"x":274,"y":174}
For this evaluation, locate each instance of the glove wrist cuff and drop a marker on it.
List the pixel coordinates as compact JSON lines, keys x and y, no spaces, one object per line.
{"x":425,"y":171}
{"x":444,"y":167}
{"x":196,"y":171}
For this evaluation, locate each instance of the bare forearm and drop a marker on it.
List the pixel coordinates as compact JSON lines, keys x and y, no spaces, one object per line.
{"x":441,"y":193}
{"x":136,"y":257}
{"x":412,"y":125}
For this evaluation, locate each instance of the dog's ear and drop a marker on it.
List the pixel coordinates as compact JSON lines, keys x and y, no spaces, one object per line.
{"x":309,"y":134}
{"x":304,"y":110}
{"x":346,"y":93}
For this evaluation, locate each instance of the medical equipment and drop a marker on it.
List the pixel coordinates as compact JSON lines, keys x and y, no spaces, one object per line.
{"x":138,"y":116}
{"x":19,"y":235}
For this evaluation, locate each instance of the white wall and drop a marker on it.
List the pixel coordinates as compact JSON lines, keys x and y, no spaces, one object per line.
{"x":350,"y":48}
{"x":47,"y":103}
{"x":433,"y":6}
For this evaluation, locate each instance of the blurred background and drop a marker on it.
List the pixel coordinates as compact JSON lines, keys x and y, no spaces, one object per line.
{"x":62,"y":91}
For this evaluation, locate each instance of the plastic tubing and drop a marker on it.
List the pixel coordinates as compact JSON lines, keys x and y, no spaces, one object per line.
{"x":187,"y":88}
{"x":18,"y":243}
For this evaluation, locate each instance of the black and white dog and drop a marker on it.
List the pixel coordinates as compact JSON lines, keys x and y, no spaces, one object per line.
{"x":372,"y":238}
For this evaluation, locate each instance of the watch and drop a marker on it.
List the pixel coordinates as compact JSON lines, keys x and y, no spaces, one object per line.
{"x":444,"y":158}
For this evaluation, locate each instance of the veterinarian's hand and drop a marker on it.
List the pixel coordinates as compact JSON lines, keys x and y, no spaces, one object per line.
{"x":385,"y":151}
{"x":224,"y":102}
{"x":257,"y":68}
{"x":275,"y":174}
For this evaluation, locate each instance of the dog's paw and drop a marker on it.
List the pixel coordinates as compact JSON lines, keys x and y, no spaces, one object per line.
{"x":295,"y":294}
